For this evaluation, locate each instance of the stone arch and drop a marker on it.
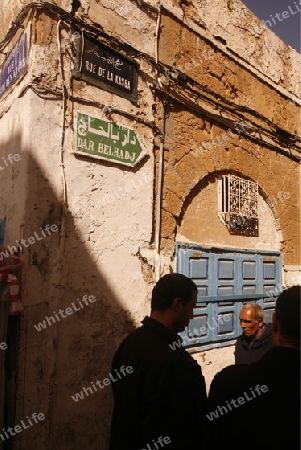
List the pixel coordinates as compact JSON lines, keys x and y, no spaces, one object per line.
{"x":199,"y":222}
{"x":270,"y":169}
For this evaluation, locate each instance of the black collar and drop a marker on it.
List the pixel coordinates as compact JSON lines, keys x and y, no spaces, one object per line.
{"x":160,"y":328}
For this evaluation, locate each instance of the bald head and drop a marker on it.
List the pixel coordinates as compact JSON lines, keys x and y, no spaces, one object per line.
{"x":251,"y":320}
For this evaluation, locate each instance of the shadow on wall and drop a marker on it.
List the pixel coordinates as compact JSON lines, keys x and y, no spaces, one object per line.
{"x":70,"y":353}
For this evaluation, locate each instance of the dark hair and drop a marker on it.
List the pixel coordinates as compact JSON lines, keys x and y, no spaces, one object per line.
{"x":168,"y":288}
{"x":288,"y":314}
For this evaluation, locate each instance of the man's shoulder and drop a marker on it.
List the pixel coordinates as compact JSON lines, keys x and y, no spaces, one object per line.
{"x":279,"y":358}
{"x":237,"y":376}
{"x":228,"y":382}
{"x":137,"y":336}
{"x":147,"y":342}
{"x":239,"y":340}
{"x":277,"y":363}
{"x":232,"y":372}
{"x":143,"y":332}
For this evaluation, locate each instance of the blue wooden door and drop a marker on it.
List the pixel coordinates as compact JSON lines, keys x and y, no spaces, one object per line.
{"x":226,"y":279}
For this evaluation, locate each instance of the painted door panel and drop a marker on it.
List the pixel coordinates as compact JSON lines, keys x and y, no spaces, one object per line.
{"x":226,"y":279}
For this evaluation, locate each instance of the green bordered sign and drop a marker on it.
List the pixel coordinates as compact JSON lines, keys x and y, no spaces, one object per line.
{"x":106,"y":140}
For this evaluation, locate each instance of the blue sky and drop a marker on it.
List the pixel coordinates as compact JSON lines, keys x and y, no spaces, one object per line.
{"x":285,"y":25}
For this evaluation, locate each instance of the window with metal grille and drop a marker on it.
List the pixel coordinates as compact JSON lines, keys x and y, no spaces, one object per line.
{"x":238,"y":205}
{"x":226,"y":279}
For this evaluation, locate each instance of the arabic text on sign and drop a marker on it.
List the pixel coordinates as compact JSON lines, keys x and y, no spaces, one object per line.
{"x":124,"y":136}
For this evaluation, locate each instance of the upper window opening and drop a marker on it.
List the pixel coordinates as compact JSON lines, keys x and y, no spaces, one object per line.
{"x":238,"y":205}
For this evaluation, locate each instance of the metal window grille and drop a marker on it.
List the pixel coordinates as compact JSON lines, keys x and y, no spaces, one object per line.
{"x":238,"y":205}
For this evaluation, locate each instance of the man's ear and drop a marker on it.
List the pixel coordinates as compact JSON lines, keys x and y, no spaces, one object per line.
{"x":274,"y":323}
{"x":176,"y":303}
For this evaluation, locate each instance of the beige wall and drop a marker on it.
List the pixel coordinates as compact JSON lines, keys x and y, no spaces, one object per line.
{"x":201,"y":222}
{"x":214,"y":360}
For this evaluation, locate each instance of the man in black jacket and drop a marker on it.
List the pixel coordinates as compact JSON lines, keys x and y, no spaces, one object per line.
{"x":261,"y":401}
{"x":256,"y":338}
{"x":162,"y":402}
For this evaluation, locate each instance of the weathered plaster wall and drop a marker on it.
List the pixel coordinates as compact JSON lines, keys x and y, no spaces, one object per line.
{"x":292,"y":274}
{"x":94,"y":253}
{"x":104,"y":219}
{"x":212,"y":361}
{"x":188,"y":52}
{"x":234,"y":28}
{"x":12,"y":199}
